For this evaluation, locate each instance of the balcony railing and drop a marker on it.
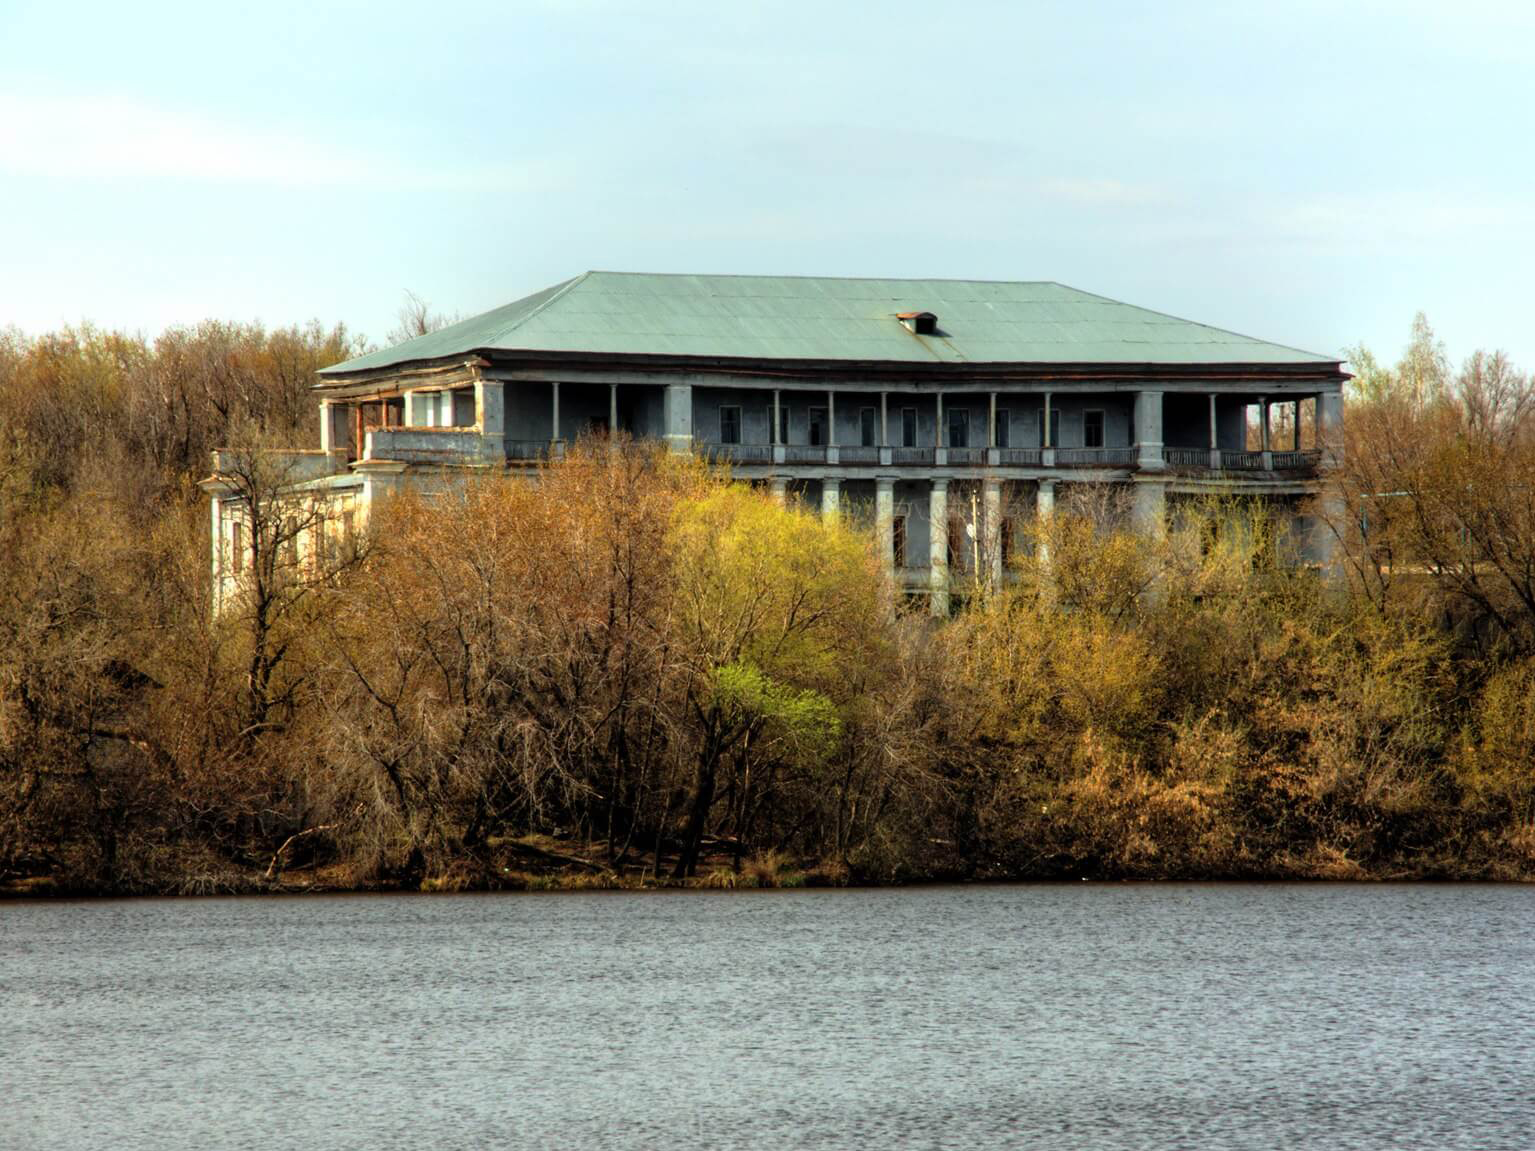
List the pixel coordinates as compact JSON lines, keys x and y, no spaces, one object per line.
{"x":804,"y":454}
{"x":858,"y":454}
{"x":1296,"y":461}
{"x":1095,"y":457}
{"x":422,"y":445}
{"x":1186,"y":457}
{"x":967,"y":457}
{"x":1204,"y":459}
{"x":1020,"y":457}
{"x":527,"y":449}
{"x":913,"y":456}
{"x":1242,"y":461}
{"x":738,"y":453}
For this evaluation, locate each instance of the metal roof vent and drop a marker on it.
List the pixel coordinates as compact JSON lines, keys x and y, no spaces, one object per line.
{"x":922,"y":323}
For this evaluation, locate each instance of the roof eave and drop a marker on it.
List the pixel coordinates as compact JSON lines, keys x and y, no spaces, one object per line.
{"x":485,"y":358}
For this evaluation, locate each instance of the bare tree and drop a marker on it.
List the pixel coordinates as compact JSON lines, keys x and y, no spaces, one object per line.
{"x":416,"y":318}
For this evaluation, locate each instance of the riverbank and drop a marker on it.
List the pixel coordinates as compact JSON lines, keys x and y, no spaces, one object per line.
{"x":545,"y":863}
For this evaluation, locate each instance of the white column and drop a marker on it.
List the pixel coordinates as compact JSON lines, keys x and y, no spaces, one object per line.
{"x":777,"y":417}
{"x":831,"y":499}
{"x":1044,"y":511}
{"x":780,"y":489}
{"x":1044,"y":500}
{"x":938,"y":547}
{"x":1049,"y":439}
{"x":334,"y":430}
{"x":554,"y":427}
{"x":216,"y":544}
{"x":1215,"y":455}
{"x":884,"y":419}
{"x":612,"y":411}
{"x":677,"y":410}
{"x":1148,"y":431}
{"x":1263,"y":424}
{"x":1329,"y":425}
{"x":991,"y":499}
{"x":490,"y":417}
{"x":831,"y":418}
{"x":884,"y":522}
{"x":938,"y":441}
{"x":991,"y":422}
{"x":1150,"y":510}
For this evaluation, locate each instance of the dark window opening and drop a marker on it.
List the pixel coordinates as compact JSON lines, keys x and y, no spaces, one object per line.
{"x":908,"y":427}
{"x":730,"y":425}
{"x":959,"y":427}
{"x":1092,"y":429}
{"x":898,"y":541}
{"x":1005,"y":542}
{"x":817,"y":427}
{"x":866,"y":427}
{"x":1004,"y":428}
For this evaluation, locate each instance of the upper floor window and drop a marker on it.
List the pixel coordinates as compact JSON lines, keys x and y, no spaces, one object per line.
{"x":1092,"y":429}
{"x":908,"y":427}
{"x":817,"y":427}
{"x":1004,"y":428}
{"x":959,"y":427}
{"x":237,"y":546}
{"x":730,"y":424}
{"x":866,"y":427}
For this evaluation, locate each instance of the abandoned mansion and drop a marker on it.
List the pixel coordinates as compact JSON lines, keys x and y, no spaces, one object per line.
{"x":934,"y":411}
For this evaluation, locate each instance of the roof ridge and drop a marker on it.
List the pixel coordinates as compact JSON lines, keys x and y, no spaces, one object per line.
{"x":802,"y":276}
{"x":558,"y":292}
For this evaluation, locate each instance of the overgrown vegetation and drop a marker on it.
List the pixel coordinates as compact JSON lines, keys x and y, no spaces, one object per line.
{"x":634,"y":672}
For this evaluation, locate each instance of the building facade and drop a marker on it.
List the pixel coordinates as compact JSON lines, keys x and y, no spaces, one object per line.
{"x":935,"y":411}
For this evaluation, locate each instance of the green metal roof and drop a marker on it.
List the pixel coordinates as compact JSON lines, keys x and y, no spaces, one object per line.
{"x":825,"y":319}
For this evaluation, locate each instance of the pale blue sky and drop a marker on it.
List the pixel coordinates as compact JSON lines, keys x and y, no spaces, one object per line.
{"x":1311,"y":173}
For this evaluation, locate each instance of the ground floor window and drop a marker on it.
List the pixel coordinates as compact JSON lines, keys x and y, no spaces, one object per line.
{"x":898,"y":541}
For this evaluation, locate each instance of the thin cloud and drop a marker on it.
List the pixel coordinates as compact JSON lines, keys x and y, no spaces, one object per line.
{"x":111,"y":139}
{"x":1105,"y":193}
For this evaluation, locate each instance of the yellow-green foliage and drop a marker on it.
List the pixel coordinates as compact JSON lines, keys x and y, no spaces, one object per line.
{"x":1194,"y":706}
{"x":1497,"y":755}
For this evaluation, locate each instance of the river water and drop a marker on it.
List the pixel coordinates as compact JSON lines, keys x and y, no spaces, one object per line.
{"x":1098,"y":1016}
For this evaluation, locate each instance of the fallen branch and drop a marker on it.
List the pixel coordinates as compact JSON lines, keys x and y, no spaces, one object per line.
{"x":271,"y":871}
{"x":553,"y":856}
